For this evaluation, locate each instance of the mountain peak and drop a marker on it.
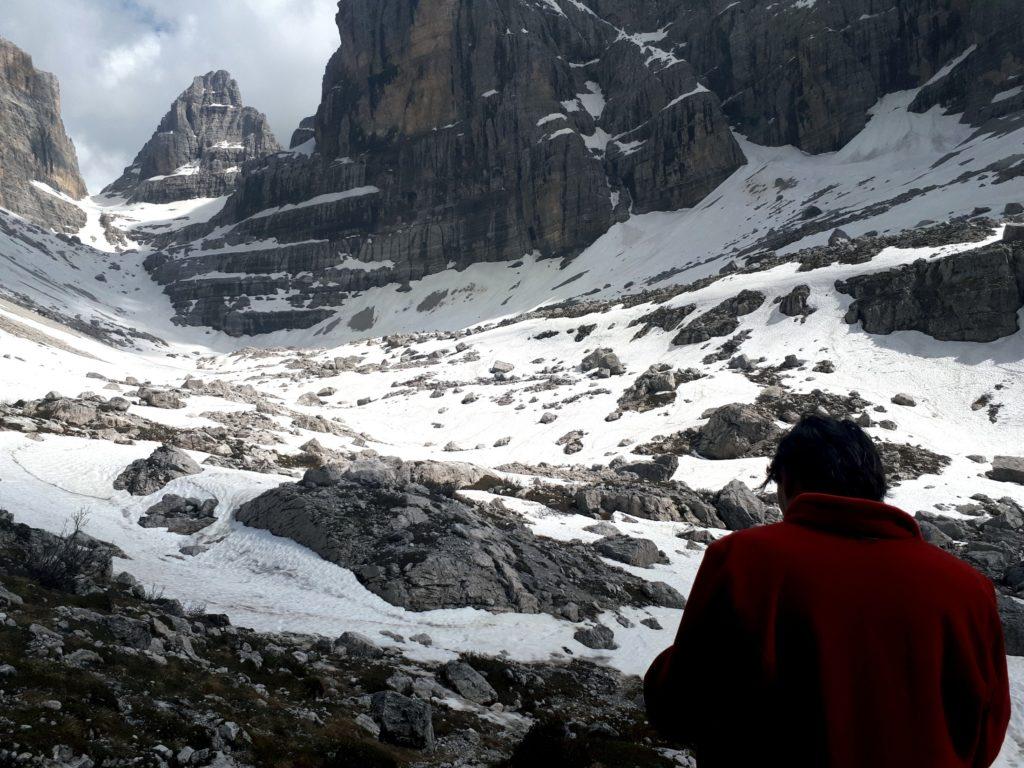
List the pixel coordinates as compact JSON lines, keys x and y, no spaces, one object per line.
{"x":199,"y":145}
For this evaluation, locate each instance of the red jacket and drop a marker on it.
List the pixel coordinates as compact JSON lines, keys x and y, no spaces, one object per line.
{"x":837,"y":637}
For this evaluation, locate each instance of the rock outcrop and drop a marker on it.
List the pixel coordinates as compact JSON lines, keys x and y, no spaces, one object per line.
{"x":38,"y":163}
{"x":423,"y":550}
{"x":199,"y":147}
{"x":969,"y":296}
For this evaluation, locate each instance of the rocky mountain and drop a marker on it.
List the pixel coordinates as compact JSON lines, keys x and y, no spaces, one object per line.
{"x":458,"y":133}
{"x":38,"y":164}
{"x":199,"y":146}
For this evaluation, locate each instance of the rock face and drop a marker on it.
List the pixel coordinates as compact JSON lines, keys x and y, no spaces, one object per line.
{"x":423,"y":550}
{"x":34,"y":146}
{"x":721,"y":320}
{"x":830,"y":62}
{"x":452,"y":133}
{"x":199,"y":147}
{"x":970,"y":296}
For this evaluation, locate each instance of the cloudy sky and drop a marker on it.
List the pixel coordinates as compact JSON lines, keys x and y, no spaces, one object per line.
{"x":122,"y":62}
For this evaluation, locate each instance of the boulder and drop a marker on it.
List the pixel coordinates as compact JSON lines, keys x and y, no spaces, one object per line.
{"x":641,"y":553}
{"x":739,"y":508}
{"x":359,"y":646}
{"x":658,"y":470}
{"x":605,"y":359}
{"x":160,"y":399}
{"x":467,"y":682}
{"x":180,"y":515}
{"x":403,"y":721}
{"x":737,"y":430}
{"x":654,"y":388}
{"x":1007,"y":469}
{"x":145,"y":476}
{"x":599,"y":637}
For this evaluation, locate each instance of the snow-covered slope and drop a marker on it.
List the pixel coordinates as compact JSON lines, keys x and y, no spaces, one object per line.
{"x":436,"y":397}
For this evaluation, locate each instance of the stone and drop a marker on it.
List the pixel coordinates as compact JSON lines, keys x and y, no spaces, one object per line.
{"x":467,"y":682}
{"x":158,"y":399}
{"x":359,"y":646}
{"x":658,"y":470}
{"x":739,"y":508}
{"x":199,"y":145}
{"x":548,"y":417}
{"x":180,"y":515}
{"x":145,"y":476}
{"x":1007,"y":469}
{"x":502,"y":368}
{"x":654,"y":388}
{"x":735,"y":431}
{"x":670,"y":501}
{"x":604,"y":359}
{"x":403,"y":721}
{"x":641,"y":553}
{"x":794,"y":304}
{"x":599,"y":637}
{"x":904,"y":400}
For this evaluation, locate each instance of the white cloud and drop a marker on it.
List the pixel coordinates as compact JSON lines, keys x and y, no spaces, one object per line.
{"x":125,"y":63}
{"x":122,"y":62}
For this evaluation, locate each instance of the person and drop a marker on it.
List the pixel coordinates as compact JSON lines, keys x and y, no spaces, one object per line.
{"x":837,"y":637}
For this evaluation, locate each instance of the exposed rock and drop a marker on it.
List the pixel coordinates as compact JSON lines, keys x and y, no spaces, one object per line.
{"x":794,"y":303}
{"x":159,"y":399}
{"x":660,"y":469}
{"x":199,"y":147}
{"x":180,"y":515}
{"x":1007,"y":469}
{"x":721,"y":320}
{"x":359,"y":646}
{"x":467,"y":682}
{"x":403,"y":721}
{"x":424,"y":551}
{"x":642,"y":553}
{"x":737,"y":430}
{"x":34,"y":146}
{"x":969,"y":296}
{"x":599,"y":637}
{"x":603,"y":359}
{"x":904,"y":400}
{"x":669,"y":501}
{"x":145,"y":476}
{"x":655,"y":388}
{"x":739,"y":508}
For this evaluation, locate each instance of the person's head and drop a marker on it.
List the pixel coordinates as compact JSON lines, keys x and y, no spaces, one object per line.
{"x":825,"y":455}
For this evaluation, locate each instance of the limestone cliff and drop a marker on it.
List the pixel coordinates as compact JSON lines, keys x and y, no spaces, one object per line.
{"x":37,"y":159}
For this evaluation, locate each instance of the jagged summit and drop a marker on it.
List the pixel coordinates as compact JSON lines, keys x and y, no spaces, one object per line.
{"x":199,"y":146}
{"x":37,"y":159}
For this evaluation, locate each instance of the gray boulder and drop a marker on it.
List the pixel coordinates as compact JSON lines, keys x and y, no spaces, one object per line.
{"x":359,"y":646}
{"x":467,"y":682}
{"x":658,"y":470}
{"x":739,"y":508}
{"x":654,"y":388}
{"x":145,"y":476}
{"x":403,"y":721}
{"x":1007,"y":469}
{"x":599,"y":637}
{"x":737,"y":430}
{"x":605,"y":359}
{"x":180,"y":515}
{"x":794,"y":303}
{"x":642,"y":553}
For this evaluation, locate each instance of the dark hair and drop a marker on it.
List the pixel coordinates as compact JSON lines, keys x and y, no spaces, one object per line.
{"x":825,"y":455}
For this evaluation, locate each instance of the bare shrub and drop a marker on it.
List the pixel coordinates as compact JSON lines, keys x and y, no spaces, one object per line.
{"x":59,"y":561}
